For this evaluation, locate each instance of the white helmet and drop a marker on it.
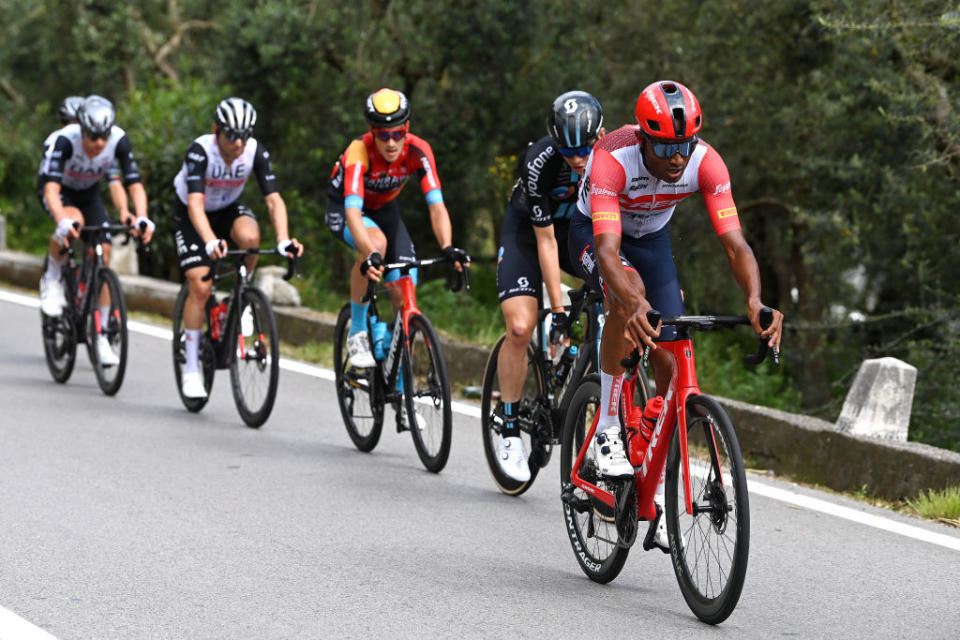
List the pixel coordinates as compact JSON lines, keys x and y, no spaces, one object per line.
{"x":236,"y":115}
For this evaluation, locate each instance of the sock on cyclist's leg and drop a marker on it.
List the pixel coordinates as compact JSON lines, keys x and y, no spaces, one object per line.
{"x":609,"y":399}
{"x":192,"y":338}
{"x":510,"y":428}
{"x":399,"y":386}
{"x":104,"y":316}
{"x":358,"y":317}
{"x":54,"y":269}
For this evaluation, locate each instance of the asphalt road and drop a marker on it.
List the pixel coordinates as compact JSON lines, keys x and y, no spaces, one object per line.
{"x":129,"y":517}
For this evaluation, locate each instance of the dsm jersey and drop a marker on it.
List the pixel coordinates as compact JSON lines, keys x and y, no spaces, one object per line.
{"x":362,"y":179}
{"x":205,"y":171}
{"x":622,"y":196}
{"x":547,"y":187}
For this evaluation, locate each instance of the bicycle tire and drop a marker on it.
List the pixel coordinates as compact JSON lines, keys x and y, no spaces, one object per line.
{"x":491,"y":411}
{"x":60,"y":336}
{"x":361,"y":405}
{"x":110,"y":377}
{"x":709,"y":549}
{"x":254,"y":367}
{"x":207,"y":357}
{"x":592,"y":533}
{"x":426,"y":391}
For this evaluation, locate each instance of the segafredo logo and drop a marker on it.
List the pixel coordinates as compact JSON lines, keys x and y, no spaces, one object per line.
{"x":648,"y":94}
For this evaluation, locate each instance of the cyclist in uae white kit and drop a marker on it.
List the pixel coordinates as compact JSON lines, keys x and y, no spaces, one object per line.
{"x":207,"y":210}
{"x":75,"y":159}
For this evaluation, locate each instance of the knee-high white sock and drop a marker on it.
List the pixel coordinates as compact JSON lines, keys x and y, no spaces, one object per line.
{"x":609,"y":399}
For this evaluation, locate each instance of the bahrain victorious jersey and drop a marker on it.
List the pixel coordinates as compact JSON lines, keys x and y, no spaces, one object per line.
{"x":362,"y":179}
{"x":65,"y":162}
{"x":621,"y":196}
{"x":204,"y":171}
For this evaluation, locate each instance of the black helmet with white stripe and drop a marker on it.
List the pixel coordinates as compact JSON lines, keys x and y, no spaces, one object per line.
{"x":237,"y":116}
{"x":575,"y":120}
{"x":67,"y":111}
{"x":96,"y":117}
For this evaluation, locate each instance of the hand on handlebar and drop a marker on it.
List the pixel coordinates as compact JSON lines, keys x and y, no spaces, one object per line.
{"x":372,"y":267}
{"x":773,"y":332}
{"x":638,"y":328}
{"x":216,"y":248}
{"x":459,"y":257}
{"x":144,"y":227}
{"x":291,"y":248}
{"x":67,"y":228}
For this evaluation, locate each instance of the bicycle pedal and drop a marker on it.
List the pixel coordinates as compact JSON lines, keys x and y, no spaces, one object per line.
{"x":569,"y":498}
{"x":650,"y":540}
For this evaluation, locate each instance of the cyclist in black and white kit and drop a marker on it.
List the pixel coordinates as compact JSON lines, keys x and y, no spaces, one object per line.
{"x":207,"y":210}
{"x":75,"y":159}
{"x":533,"y":249}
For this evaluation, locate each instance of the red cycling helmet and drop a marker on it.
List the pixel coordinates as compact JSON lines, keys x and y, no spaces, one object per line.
{"x":668,"y":110}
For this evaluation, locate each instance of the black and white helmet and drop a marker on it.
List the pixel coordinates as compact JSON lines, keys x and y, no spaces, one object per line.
{"x":575,"y":120}
{"x":236,"y":115}
{"x":67,"y":111}
{"x":96,"y":116}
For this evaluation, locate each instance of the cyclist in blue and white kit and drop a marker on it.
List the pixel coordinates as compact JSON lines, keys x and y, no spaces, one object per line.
{"x":533,"y":249}
{"x":75,"y":159}
{"x":207,"y":210}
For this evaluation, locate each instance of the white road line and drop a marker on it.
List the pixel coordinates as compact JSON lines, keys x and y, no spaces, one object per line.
{"x":473,"y":411}
{"x":13,"y":627}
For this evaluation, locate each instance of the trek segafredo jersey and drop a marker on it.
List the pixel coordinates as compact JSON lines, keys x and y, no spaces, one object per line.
{"x":204,"y":171}
{"x":65,"y":162}
{"x":621,"y":196}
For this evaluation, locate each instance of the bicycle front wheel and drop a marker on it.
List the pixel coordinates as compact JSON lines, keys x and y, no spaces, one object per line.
{"x":107,"y":321}
{"x":255,"y":363}
{"x":710,"y":546}
{"x":491,"y":418}
{"x":60,"y":337}
{"x":427,"y":394}
{"x":357,"y":393}
{"x":207,"y":358}
{"x":591,"y":526}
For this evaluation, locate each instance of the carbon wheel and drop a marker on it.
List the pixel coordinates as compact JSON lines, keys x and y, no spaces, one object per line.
{"x":361,"y":403}
{"x":255,"y":357}
{"x":427,"y":394}
{"x":207,"y":357}
{"x":108,"y":320}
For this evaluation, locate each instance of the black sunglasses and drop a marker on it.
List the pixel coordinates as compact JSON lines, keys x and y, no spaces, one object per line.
{"x":233,"y":136}
{"x":669,"y":149}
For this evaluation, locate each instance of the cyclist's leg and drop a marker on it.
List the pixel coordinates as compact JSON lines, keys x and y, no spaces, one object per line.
{"x":94,"y":213}
{"x":195,"y":264}
{"x":519,"y":285}
{"x":55,"y":261}
{"x":652,"y":255}
{"x":244,"y":230}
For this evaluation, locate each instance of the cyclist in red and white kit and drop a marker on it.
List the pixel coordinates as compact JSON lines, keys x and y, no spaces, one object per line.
{"x":636,"y":176}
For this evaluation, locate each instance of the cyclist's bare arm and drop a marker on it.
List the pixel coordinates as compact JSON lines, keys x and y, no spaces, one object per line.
{"x":277,"y":209}
{"x":744,"y":266}
{"x":626,"y":290}
{"x":442,"y":229}
{"x":120,"y":202}
{"x":198,"y":216}
{"x":548,"y":255}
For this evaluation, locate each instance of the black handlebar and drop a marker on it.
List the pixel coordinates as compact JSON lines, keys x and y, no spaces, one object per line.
{"x":462,"y":277}
{"x":293,"y":262}
{"x":709,"y":323}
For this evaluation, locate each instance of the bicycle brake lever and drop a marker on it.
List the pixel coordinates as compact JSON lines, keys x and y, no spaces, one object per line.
{"x":766,"y":319}
{"x":293,"y":267}
{"x":631,"y":361}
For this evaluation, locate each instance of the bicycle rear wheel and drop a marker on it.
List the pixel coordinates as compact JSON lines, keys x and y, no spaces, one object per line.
{"x":207,"y":357}
{"x":361,"y":404}
{"x":711,"y":546}
{"x":491,"y":418}
{"x":255,"y":363}
{"x":590,"y":524}
{"x":427,"y":394}
{"x":60,"y":336}
{"x":113,"y":327}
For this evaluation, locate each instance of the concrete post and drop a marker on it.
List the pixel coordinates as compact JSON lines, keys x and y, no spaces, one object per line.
{"x":3,"y":232}
{"x":879,"y":402}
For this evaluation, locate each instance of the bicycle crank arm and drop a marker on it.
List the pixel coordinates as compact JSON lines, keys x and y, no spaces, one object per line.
{"x":580,"y":505}
{"x":649,"y":540}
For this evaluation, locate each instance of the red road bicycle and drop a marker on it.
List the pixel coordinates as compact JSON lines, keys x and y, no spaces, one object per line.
{"x":706,"y":502}
{"x":411,"y":349}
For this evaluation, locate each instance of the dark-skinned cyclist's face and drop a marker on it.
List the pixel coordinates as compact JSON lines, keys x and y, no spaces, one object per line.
{"x":667,"y":159}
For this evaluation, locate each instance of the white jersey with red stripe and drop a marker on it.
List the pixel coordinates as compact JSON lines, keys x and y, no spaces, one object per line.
{"x":621,"y":196}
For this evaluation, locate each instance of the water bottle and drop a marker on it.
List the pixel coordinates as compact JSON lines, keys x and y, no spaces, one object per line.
{"x":381,"y":339}
{"x":217,"y":315}
{"x":651,"y":413}
{"x":563,"y":365}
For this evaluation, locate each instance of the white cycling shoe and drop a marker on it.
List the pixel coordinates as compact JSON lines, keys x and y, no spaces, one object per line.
{"x":246,"y":321}
{"x":611,"y":459}
{"x":418,"y":421}
{"x":358,"y":349}
{"x":191,"y":385}
{"x":513,"y":460}
{"x":52,"y":300}
{"x":105,"y":353}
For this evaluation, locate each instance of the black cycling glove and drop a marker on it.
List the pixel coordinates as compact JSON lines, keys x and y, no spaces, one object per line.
{"x":374,"y":260}
{"x":559,"y":327}
{"x":456,"y":255}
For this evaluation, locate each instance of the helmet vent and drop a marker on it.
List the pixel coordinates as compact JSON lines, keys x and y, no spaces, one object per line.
{"x":653,"y":124}
{"x":679,"y":122}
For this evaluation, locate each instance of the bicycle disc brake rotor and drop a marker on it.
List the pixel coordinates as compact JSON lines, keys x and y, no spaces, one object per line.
{"x":719,"y":506}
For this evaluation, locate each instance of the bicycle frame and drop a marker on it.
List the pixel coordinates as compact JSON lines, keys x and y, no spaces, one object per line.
{"x":91,"y":261}
{"x":650,"y":460}
{"x":406,"y":291}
